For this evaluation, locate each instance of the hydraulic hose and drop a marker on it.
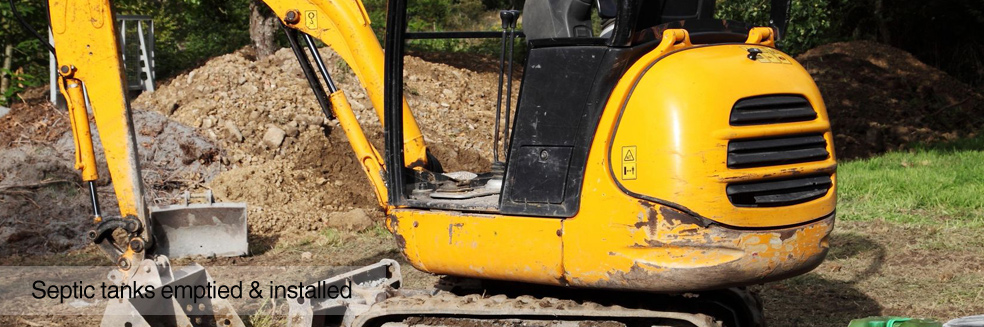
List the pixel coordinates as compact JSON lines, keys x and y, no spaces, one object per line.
{"x":26,"y":26}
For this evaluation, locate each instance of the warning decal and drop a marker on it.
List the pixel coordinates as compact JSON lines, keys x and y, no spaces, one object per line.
{"x":311,"y":19}
{"x":629,"y":155}
{"x":770,"y":56}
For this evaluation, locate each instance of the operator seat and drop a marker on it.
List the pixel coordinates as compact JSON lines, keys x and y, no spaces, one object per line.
{"x":561,"y":19}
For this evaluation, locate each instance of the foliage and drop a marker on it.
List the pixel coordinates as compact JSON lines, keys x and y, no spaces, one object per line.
{"x":19,"y":81}
{"x":29,"y":61}
{"x":944,"y":34}
{"x":450,"y":15}
{"x":188,"y":32}
{"x":810,"y":20}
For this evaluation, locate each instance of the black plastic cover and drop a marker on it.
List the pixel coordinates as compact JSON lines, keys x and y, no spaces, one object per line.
{"x":772,"y":109}
{"x":777,"y":193}
{"x":776,"y":151}
{"x":564,"y":91}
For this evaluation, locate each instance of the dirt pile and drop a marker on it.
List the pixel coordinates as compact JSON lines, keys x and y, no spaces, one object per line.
{"x":881,"y":98}
{"x":32,"y":120}
{"x":287,"y":161}
{"x":43,"y":205}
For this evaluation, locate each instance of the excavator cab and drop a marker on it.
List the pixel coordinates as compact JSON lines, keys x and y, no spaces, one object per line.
{"x":675,"y":153}
{"x":545,"y":148}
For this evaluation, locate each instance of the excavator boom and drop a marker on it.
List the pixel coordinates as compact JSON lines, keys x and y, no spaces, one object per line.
{"x":91,"y":72}
{"x":88,"y":56}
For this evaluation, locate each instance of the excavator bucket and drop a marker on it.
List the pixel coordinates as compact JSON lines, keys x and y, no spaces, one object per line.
{"x":200,"y":229}
{"x":181,"y":309}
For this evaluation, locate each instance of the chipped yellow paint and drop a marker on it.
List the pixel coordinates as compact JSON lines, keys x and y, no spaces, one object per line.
{"x":661,"y":258}
{"x":679,"y":102}
{"x":691,"y":93}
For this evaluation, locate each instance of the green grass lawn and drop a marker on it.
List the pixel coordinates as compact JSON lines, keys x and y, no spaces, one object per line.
{"x":939,"y":184}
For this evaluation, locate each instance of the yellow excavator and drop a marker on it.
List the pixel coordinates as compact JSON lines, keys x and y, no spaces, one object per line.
{"x":652,"y":168}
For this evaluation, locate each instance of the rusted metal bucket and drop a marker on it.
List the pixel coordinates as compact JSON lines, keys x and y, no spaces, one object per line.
{"x":200,"y":229}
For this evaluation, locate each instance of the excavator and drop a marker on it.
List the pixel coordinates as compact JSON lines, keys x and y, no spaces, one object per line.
{"x":653,"y":167}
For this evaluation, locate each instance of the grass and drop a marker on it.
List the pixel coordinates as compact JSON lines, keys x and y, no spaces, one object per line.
{"x":939,"y":184}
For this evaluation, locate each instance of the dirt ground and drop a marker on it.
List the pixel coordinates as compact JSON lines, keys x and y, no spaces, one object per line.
{"x":251,"y":131}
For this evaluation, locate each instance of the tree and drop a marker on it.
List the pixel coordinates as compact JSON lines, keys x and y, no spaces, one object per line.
{"x":262,"y":26}
{"x":23,"y":57}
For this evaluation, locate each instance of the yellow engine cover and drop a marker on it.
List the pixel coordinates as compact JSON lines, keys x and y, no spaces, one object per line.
{"x":672,"y":134}
{"x":667,"y":223}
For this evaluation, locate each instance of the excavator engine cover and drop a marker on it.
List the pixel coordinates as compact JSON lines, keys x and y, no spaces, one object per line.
{"x":200,"y":229}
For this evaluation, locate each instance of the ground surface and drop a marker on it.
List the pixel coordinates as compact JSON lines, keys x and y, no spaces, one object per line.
{"x":914,"y":251}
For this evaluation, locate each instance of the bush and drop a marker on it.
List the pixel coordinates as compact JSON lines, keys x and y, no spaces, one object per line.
{"x":29,"y":60}
{"x":944,"y":34}
{"x":810,"y":22}
{"x":189,"y":32}
{"x":433,"y":16}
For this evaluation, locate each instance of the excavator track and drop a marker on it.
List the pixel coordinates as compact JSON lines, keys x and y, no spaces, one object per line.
{"x":475,"y":310}
{"x":380,"y":302}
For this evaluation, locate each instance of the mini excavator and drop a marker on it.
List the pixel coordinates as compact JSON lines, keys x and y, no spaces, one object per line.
{"x":652,"y":168}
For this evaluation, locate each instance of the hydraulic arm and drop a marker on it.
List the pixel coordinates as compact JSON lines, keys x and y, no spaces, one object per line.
{"x":89,"y":64}
{"x":90,"y":72}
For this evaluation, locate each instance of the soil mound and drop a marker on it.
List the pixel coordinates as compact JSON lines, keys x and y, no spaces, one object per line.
{"x":287,"y":161}
{"x":882,"y":98}
{"x":43,"y":205}
{"x":32,"y":120}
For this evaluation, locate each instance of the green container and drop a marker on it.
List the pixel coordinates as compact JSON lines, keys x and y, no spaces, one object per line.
{"x":894,"y":322}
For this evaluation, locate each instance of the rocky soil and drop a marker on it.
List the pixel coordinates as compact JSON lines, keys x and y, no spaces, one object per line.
{"x":292,"y":165}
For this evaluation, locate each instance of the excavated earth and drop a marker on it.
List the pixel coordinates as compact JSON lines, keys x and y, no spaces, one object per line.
{"x":293,"y":167}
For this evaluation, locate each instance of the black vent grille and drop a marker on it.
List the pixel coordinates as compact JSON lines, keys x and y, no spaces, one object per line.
{"x":772,"y":109}
{"x":776,"y":151}
{"x":776,"y":193}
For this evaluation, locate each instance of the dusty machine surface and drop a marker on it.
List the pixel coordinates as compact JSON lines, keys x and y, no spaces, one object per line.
{"x":644,"y":175}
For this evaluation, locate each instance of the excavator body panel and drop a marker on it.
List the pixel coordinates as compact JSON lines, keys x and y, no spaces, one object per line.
{"x":708,"y":169}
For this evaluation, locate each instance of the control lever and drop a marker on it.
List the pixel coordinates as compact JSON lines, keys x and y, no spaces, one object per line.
{"x":509,"y":18}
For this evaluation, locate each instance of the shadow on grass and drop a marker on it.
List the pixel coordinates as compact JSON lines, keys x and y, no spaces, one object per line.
{"x":813,"y":300}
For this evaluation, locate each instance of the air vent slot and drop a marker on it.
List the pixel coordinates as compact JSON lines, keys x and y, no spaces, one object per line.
{"x":772,"y":109}
{"x":776,"y":151}
{"x":777,"y":193}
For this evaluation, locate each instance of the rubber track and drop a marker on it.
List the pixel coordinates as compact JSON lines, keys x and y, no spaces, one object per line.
{"x":499,"y":307}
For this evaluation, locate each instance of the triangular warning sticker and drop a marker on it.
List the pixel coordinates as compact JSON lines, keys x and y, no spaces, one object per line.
{"x":628,"y":156}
